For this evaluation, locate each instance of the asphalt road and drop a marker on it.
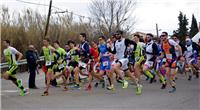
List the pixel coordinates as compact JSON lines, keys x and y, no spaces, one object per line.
{"x":187,"y":97}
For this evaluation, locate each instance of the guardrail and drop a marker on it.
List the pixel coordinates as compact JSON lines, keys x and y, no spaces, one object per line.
{"x":20,"y":62}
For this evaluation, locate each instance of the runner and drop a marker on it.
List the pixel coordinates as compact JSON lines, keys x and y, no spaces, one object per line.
{"x":49,"y":54}
{"x":160,"y":68}
{"x":105,"y":63}
{"x":190,"y":55}
{"x":121,"y":62}
{"x":74,"y":63}
{"x":168,"y":51}
{"x":94,"y":59}
{"x":151,"y":55}
{"x":138,"y":56}
{"x":10,"y":56}
{"x":60,"y":64}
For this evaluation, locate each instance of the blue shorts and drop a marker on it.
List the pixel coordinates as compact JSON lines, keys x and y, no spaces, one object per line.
{"x":105,"y":66}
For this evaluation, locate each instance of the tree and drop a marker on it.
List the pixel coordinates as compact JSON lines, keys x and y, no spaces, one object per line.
{"x":112,"y":14}
{"x":182,"y":31}
{"x":194,"y":28}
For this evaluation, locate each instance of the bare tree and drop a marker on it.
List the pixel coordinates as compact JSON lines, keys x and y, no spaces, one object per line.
{"x":113,"y":14}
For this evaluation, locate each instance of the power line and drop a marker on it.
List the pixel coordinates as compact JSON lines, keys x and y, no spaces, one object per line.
{"x":37,"y":4}
{"x":56,"y":12}
{"x":66,"y":11}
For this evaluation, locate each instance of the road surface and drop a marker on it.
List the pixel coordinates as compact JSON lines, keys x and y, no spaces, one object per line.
{"x":153,"y":98}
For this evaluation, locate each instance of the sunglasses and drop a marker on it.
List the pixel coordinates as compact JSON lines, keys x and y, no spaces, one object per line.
{"x":162,"y":35}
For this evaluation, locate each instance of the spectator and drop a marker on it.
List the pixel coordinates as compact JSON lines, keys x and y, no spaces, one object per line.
{"x":31,"y":57}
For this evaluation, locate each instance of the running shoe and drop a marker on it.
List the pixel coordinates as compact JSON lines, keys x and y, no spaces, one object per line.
{"x":111,"y":88}
{"x":125,"y":84}
{"x":163,"y":86}
{"x":46,"y":93}
{"x":23,"y":92}
{"x":173,"y":90}
{"x":139,"y":90}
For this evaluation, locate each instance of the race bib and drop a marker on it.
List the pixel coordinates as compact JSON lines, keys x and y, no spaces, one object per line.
{"x":105,"y":63}
{"x":48,"y":63}
{"x":81,"y":64}
{"x":61,"y":66}
{"x":169,"y":56}
{"x":150,"y":63}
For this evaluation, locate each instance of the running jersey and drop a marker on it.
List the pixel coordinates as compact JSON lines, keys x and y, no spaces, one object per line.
{"x":10,"y":55}
{"x":48,"y":54}
{"x":85,"y":49}
{"x":61,"y":53}
{"x":68,"y":57}
{"x":169,"y":49}
{"x":191,"y":51}
{"x":74,"y":55}
{"x":104,"y":55}
{"x":151,"y":51}
{"x":94,"y":53}
{"x":120,"y":47}
{"x":138,"y":51}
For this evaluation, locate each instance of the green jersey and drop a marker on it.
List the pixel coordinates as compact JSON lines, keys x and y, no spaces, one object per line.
{"x":138,"y":53}
{"x":61,"y":53}
{"x":74,"y":55}
{"x":49,"y":56}
{"x":10,"y":55}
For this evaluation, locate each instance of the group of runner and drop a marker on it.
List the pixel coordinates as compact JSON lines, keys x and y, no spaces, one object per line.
{"x":112,"y":59}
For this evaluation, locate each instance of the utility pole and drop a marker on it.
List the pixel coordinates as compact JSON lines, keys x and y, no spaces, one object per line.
{"x":48,"y":18}
{"x":157,"y":30}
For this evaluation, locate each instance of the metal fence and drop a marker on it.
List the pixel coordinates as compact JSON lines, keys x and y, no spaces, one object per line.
{"x":20,"y":62}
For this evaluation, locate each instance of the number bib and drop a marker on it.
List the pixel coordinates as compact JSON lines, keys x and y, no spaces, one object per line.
{"x":105,"y":63}
{"x":61,"y":66}
{"x":169,"y":56}
{"x":48,"y":63}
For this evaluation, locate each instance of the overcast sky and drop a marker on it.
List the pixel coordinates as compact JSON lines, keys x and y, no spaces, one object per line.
{"x":147,"y":12}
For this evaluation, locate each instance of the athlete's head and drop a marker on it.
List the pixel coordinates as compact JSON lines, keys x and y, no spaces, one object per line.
{"x":188,"y":41}
{"x":136,"y":37}
{"x":56,"y":44}
{"x":82,"y":37}
{"x":149,"y":37}
{"x":118,"y":34}
{"x":164,"y":36}
{"x":67,"y":48}
{"x":71,"y":44}
{"x":6,"y":43}
{"x":46,"y":41}
{"x":31,"y":47}
{"x":94,"y":44}
{"x":175,"y":38}
{"x":102,"y":39}
{"x":113,"y":38}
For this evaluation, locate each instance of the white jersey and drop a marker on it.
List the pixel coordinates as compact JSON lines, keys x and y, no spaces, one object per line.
{"x":149,"y":50}
{"x":120,"y":48}
{"x":189,"y":51}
